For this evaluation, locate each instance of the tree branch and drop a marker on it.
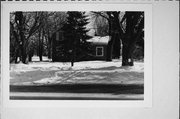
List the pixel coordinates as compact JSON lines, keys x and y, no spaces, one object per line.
{"x":100,"y":14}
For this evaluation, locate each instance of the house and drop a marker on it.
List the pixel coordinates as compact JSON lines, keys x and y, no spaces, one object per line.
{"x":99,"y":48}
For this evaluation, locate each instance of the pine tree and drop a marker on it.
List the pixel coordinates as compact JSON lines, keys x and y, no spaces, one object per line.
{"x":75,"y":44}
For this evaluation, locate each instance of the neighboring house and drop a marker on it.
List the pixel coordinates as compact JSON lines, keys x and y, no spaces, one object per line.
{"x":99,"y":48}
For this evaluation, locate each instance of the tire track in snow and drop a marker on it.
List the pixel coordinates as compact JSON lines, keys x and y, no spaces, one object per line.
{"x":75,"y":73}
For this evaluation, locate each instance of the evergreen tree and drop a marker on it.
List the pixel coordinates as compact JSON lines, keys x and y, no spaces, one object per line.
{"x":75,"y":45}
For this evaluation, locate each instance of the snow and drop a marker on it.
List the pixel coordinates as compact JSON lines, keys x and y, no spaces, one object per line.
{"x":45,"y":66}
{"x":47,"y":80}
{"x":99,"y":40}
{"x":41,"y":73}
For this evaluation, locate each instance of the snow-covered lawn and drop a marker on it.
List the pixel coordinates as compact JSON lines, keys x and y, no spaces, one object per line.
{"x":43,"y":73}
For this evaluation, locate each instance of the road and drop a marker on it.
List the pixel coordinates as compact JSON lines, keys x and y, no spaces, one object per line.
{"x":77,"y":92}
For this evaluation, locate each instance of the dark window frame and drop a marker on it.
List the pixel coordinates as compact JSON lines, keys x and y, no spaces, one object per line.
{"x":102,"y":51}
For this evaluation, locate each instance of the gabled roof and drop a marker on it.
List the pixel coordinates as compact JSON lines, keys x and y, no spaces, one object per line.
{"x":99,"y":40}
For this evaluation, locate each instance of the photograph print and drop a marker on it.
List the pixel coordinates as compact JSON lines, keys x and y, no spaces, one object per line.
{"x":76,"y":55}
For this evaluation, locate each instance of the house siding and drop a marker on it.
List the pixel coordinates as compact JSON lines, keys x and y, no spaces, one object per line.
{"x":104,"y":52}
{"x":57,"y":39}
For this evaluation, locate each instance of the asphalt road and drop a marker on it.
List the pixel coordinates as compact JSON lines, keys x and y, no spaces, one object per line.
{"x":77,"y":92}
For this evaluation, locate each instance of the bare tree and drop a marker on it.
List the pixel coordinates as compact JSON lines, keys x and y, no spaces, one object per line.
{"x":30,"y":29}
{"x":126,"y":27}
{"x":24,"y":25}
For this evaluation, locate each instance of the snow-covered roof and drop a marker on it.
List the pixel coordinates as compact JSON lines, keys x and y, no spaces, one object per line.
{"x":99,"y":40}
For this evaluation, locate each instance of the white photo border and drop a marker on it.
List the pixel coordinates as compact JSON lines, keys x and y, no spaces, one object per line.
{"x":8,"y":7}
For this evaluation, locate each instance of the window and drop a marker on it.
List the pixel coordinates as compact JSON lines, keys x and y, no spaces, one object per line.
{"x":99,"y":51}
{"x":59,"y":36}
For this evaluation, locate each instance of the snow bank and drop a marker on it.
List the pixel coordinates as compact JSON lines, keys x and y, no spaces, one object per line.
{"x":36,"y":58}
{"x":51,"y":80}
{"x":84,"y":65}
{"x":87,"y":71}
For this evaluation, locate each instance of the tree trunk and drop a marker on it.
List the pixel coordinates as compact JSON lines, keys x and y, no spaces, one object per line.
{"x":49,"y":45}
{"x":30,"y":55}
{"x":130,"y":35}
{"x":113,"y":47}
{"x":19,"y":19}
{"x":23,"y":55}
{"x":131,"y":50}
{"x":125,"y":55}
{"x":17,"y":55}
{"x":110,"y":43}
{"x":127,"y":52}
{"x":30,"y":59}
{"x":53,"y":43}
{"x":117,"y":46}
{"x":109,"y":50}
{"x":128,"y":42}
{"x":23,"y":49}
{"x":49,"y":50}
{"x":127,"y":59}
{"x":40,"y":45}
{"x":16,"y":59}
